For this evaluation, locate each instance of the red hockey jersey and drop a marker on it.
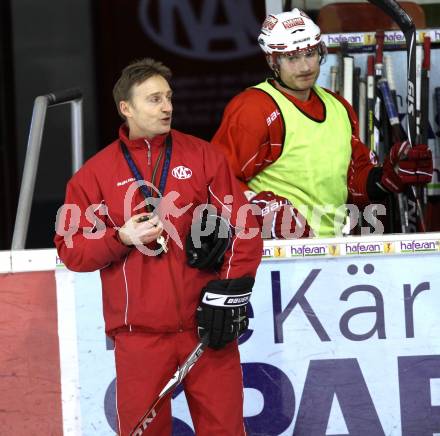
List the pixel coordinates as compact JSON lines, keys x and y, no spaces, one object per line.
{"x":251,"y":135}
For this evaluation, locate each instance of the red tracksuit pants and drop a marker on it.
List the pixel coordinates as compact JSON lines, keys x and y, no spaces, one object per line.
{"x":213,"y":388}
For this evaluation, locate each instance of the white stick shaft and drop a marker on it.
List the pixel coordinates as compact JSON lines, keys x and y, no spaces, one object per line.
{"x":362,"y":111}
{"x":348,"y":79}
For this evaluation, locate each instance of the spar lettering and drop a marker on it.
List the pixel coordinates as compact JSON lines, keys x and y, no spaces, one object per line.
{"x":327,"y":381}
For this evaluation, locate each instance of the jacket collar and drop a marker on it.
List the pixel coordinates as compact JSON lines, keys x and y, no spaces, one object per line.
{"x":157,"y":141}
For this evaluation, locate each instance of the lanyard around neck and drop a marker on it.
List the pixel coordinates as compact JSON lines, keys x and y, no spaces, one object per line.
{"x":147,"y":192}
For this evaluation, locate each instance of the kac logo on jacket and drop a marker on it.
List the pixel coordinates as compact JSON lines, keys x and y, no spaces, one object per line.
{"x":181,"y":172}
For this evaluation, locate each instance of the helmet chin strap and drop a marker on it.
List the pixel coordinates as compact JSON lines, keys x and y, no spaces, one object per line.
{"x":277,"y":77}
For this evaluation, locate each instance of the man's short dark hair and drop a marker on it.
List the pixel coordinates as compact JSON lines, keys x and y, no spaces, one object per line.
{"x":136,"y":73}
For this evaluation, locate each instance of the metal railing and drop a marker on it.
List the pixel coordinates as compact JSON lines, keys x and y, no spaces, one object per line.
{"x":74,"y":97}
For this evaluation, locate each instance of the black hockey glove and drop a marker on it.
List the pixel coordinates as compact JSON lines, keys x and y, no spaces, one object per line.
{"x":222,"y":310}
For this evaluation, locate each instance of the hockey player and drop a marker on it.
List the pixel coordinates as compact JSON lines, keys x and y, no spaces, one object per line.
{"x":151,"y":294}
{"x":295,"y":147}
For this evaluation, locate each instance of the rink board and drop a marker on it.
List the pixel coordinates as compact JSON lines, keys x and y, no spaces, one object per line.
{"x":344,"y":339}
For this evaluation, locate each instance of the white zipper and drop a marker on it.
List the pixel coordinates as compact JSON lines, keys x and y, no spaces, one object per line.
{"x":148,"y":152}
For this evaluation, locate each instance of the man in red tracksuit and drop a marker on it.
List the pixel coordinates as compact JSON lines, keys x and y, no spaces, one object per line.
{"x":150,"y":293}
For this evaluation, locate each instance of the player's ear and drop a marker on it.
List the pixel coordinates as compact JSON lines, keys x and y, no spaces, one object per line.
{"x":125,"y":108}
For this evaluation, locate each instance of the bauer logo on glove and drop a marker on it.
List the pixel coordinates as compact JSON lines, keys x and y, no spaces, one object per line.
{"x":225,"y":300}
{"x":222,"y":312}
{"x":274,"y":206}
{"x":278,"y":219}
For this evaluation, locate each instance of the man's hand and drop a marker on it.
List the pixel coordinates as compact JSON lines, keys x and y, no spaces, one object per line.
{"x":278,"y":218}
{"x":406,"y":165}
{"x":222,"y":311}
{"x":140,"y":229}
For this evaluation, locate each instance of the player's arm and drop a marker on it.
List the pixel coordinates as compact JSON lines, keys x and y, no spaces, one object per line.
{"x":222,"y":311}
{"x":85,"y":239}
{"x":246,"y":137}
{"x":227,"y":197}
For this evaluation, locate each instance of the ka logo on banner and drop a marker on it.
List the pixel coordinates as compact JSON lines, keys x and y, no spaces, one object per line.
{"x":203,"y":31}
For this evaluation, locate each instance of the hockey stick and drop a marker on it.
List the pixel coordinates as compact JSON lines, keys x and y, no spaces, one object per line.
{"x":419,"y":55}
{"x":389,"y":72}
{"x":362,"y":104}
{"x":424,"y":110}
{"x":348,"y":78}
{"x":370,"y":102}
{"x":397,"y":135}
{"x":356,"y":85}
{"x":334,"y":79}
{"x":407,"y":220}
{"x":406,"y":25}
{"x":343,"y":52}
{"x":168,"y":389}
{"x":378,"y":110}
{"x":424,"y":106}
{"x":391,"y":110}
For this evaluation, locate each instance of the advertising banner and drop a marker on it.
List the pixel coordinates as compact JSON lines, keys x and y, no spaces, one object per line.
{"x":337,"y":346}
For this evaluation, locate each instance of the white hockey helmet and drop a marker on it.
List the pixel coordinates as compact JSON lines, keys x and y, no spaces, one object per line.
{"x":289,"y":33}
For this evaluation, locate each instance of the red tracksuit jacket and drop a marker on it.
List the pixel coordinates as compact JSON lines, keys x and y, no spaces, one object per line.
{"x":140,"y":292}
